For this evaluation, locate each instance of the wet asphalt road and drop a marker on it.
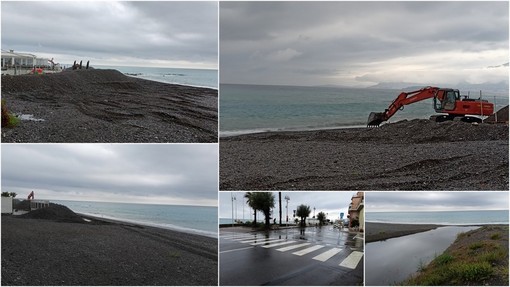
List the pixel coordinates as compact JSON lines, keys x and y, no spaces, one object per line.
{"x":314,"y":257}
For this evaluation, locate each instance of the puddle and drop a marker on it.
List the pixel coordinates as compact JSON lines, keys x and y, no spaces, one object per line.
{"x":28,"y":117}
{"x":394,"y":260}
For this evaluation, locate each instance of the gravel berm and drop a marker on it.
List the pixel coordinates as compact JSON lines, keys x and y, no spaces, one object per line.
{"x":98,"y":105}
{"x":382,"y":231}
{"x":48,"y":252}
{"x":406,"y":155}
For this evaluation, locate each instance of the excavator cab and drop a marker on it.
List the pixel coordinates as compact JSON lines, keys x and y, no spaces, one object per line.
{"x":445,"y":100}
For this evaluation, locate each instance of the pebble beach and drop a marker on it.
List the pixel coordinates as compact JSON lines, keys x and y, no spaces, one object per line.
{"x":106,"y":106}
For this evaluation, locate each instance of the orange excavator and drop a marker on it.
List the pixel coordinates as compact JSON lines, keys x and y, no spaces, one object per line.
{"x":446,"y":101}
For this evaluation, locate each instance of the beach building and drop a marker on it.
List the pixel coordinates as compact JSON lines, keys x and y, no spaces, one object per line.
{"x":7,"y":204}
{"x":16,"y":63}
{"x":356,"y":210}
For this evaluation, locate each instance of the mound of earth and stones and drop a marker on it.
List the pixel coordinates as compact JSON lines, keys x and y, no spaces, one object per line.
{"x":54,"y":212}
{"x":99,"y":105}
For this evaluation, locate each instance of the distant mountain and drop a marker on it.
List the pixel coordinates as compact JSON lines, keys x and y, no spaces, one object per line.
{"x":398,"y":85}
{"x":501,"y":87}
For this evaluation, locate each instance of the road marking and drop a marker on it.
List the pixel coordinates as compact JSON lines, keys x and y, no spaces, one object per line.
{"x":352,"y":260}
{"x":255,"y":240}
{"x":238,"y":237}
{"x":243,"y":238}
{"x":307,"y":250}
{"x":238,"y":249}
{"x":293,"y":247}
{"x":278,"y":244}
{"x":269,"y":241}
{"x":328,"y":254}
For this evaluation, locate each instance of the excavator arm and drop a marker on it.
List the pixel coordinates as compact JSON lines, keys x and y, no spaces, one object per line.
{"x":405,"y":98}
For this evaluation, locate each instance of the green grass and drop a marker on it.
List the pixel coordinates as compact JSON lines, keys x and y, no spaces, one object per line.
{"x":496,"y":236}
{"x":8,"y":120}
{"x":469,"y":262}
{"x":443,"y":259}
{"x":476,"y":245}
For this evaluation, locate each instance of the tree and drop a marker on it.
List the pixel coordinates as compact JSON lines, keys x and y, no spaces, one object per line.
{"x":251,"y":203}
{"x":264,"y":201}
{"x":5,"y":194}
{"x":13,"y":194}
{"x":303,"y":211}
{"x":321,"y":217}
{"x":280,"y":198}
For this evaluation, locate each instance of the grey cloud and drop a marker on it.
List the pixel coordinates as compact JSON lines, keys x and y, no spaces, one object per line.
{"x":352,"y":36}
{"x":409,"y":201}
{"x":179,"y":171}
{"x":145,"y":30}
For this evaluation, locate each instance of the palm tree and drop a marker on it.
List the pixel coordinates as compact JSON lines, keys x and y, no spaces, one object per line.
{"x":280,"y":198}
{"x":321,"y":217}
{"x":303,"y":211}
{"x":264,"y":201}
{"x":251,"y":203}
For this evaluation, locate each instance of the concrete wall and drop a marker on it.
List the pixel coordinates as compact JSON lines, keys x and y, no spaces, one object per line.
{"x":6,"y":204}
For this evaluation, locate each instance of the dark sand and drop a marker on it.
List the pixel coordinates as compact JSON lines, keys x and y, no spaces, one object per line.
{"x":46,"y":252}
{"x":407,"y":155}
{"x":107,"y":106}
{"x":382,"y":231}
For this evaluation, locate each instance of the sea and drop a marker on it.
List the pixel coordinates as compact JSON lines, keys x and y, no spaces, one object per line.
{"x":441,"y":217}
{"x":207,"y":78}
{"x":257,"y":108}
{"x":200,"y":220}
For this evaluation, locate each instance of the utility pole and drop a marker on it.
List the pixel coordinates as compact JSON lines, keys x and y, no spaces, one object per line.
{"x":287,"y":198}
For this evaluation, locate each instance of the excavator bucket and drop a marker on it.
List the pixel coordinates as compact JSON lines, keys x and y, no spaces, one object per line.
{"x":375,"y":119}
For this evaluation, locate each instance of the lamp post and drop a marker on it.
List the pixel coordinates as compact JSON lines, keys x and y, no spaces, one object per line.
{"x":232,"y":198}
{"x":287,"y":198}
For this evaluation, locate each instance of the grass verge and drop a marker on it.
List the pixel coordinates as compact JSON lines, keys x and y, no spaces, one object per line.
{"x":477,"y":257}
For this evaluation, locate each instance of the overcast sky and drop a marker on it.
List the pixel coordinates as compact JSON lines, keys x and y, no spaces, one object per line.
{"x":435,"y":201}
{"x":328,"y":202}
{"x":363,"y":43}
{"x":165,"y":34}
{"x":137,"y":173}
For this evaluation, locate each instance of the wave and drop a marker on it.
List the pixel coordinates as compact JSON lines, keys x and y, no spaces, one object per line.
{"x":154,"y":224}
{"x":293,"y":129}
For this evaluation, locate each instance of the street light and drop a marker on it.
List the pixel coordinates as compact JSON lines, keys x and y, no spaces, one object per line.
{"x":287,"y":198}
{"x":232,"y":198}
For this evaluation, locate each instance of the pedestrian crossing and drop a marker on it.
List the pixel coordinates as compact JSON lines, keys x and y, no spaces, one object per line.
{"x":298,"y":248}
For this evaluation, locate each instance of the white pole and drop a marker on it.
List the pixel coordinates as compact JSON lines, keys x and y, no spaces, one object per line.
{"x":481,"y":105}
{"x":495,"y":111}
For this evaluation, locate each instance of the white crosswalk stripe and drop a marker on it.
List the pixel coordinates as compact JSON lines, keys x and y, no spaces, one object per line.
{"x":256,"y":240}
{"x":278,"y":244}
{"x":293,"y":247}
{"x":307,"y":250}
{"x":328,"y":254}
{"x":352,"y":260}
{"x":267,"y":241}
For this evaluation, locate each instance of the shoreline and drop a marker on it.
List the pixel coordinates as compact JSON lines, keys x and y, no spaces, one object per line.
{"x":209,"y":234}
{"x":103,"y":252}
{"x":380,"y":231}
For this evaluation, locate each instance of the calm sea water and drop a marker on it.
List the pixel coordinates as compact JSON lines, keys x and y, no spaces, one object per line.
{"x":192,"y":219}
{"x":256,"y":108}
{"x":187,"y":77}
{"x":441,"y":217}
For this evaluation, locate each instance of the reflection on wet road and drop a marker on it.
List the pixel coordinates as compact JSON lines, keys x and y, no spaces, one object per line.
{"x":311,"y":256}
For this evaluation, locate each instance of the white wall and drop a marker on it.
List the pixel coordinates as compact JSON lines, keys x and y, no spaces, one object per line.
{"x":6,"y":204}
